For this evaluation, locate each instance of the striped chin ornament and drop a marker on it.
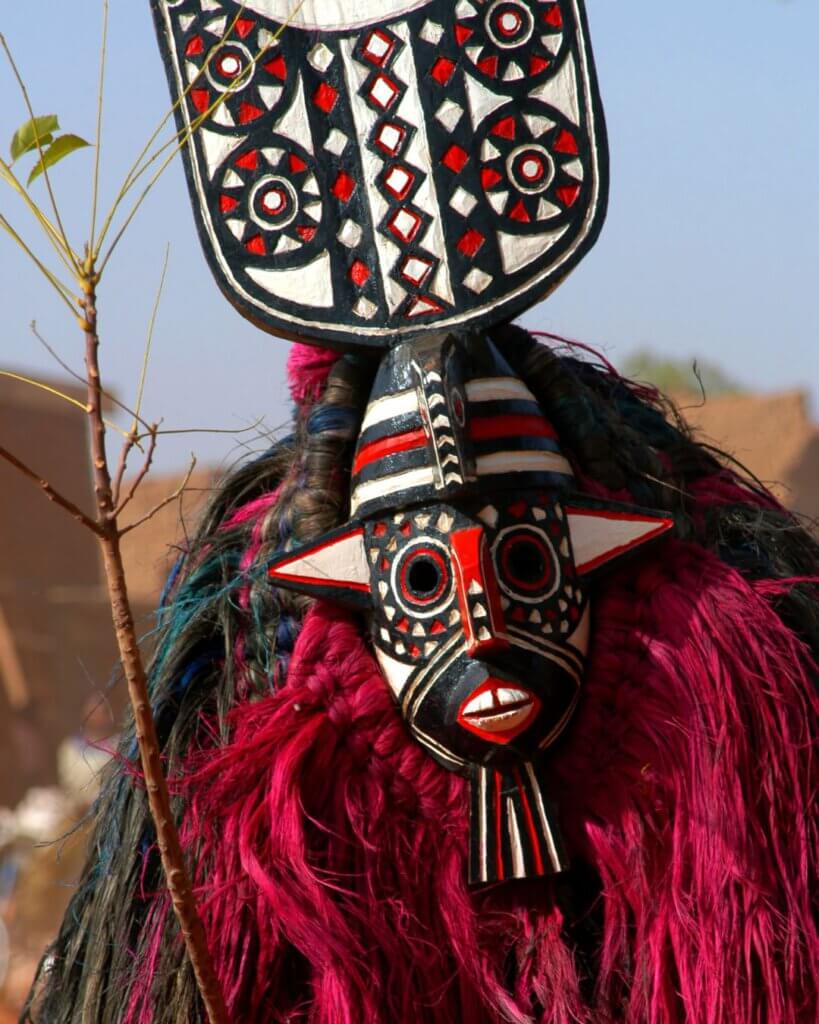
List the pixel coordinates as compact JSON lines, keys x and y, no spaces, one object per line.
{"x":471,"y":552}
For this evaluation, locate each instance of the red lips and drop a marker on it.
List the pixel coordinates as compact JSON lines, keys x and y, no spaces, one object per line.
{"x":498,"y":710}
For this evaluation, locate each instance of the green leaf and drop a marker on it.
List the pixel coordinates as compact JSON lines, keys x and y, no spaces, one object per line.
{"x":26,"y":136}
{"x":57,"y":151}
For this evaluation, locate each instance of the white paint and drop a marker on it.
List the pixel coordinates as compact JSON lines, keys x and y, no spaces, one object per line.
{"x":395,"y":672}
{"x":518,"y":251}
{"x":216,"y":147}
{"x":294,"y":123}
{"x":496,"y":389}
{"x":336,"y":142}
{"x":232,"y":180}
{"x":547,"y":210}
{"x":552,"y":42}
{"x":449,"y":114}
{"x":431,"y":32}
{"x":513,"y":73}
{"x":286,"y":244}
{"x":518,"y":862}
{"x":538,"y":124}
{"x":349,"y":234}
{"x":270,"y":95}
{"x":595,"y":535}
{"x":402,"y":403}
{"x":482,"y":101}
{"x":581,"y":637}
{"x":575,"y":168}
{"x":412,"y":478}
{"x":477,"y":280}
{"x":497,"y":200}
{"x":331,"y":15}
{"x":463,"y":202}
{"x":561,"y":91}
{"x":522,"y":462}
{"x":546,"y":828}
{"x":311,"y":285}
{"x":321,"y":57}
{"x":342,"y":561}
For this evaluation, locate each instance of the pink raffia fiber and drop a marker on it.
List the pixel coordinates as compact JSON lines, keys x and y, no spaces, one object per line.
{"x":307,"y":369}
{"x":335,"y":847}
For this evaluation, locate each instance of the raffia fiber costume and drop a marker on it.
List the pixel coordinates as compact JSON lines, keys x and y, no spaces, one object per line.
{"x":448,"y":743}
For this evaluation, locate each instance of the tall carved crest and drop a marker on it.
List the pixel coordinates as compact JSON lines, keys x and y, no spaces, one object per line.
{"x":364,"y":172}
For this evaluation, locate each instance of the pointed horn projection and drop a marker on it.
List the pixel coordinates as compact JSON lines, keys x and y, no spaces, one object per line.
{"x":602,"y":533}
{"x":333,"y":568}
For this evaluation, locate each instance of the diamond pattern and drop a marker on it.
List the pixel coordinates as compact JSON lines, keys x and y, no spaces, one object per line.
{"x":477,"y":280}
{"x":320,"y":57}
{"x":336,"y":142}
{"x":449,"y":114}
{"x":463,"y":202}
{"x":350,"y":234}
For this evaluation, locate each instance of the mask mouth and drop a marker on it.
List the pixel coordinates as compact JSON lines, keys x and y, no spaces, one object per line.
{"x":499,"y":710}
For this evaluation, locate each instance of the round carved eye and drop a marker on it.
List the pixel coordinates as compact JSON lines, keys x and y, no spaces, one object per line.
{"x":423,"y":578}
{"x":527,"y":564}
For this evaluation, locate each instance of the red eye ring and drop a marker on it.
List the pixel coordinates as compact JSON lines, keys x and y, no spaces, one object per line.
{"x":527,"y":562}
{"x":424,"y":576}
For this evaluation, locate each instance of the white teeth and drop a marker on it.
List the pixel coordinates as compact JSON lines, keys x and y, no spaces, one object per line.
{"x":491,"y":700}
{"x":483,"y":702}
{"x":475,"y":587}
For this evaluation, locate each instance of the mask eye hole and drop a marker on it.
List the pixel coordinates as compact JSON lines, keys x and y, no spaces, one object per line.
{"x":423,"y":578}
{"x":527,"y":564}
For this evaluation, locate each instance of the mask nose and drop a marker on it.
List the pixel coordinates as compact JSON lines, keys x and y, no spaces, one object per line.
{"x":478,"y":593}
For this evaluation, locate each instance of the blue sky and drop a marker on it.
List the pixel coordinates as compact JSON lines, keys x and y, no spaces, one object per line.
{"x":711,"y":247}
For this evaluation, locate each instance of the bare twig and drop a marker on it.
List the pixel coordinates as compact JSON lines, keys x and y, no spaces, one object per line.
{"x":98,"y":149}
{"x":61,"y":289}
{"x":149,"y":339}
{"x":143,"y":470}
{"x":180,"y":490}
{"x":50,"y":492}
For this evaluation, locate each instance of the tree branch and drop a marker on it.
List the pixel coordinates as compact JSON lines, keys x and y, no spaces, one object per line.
{"x":50,"y":492}
{"x":143,"y":471}
{"x":162,"y":504}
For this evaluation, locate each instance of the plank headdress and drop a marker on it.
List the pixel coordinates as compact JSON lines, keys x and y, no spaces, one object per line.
{"x":457,"y":525}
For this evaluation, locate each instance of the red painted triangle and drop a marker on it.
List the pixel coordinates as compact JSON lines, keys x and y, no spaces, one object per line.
{"x":489,"y":66}
{"x":227,"y":204}
{"x":306,"y":231}
{"x":277,"y":67}
{"x":554,"y":17}
{"x":248,"y":161}
{"x":568,"y":194}
{"x":296,"y":163}
{"x":538,"y":64}
{"x":200,"y":99}
{"x":520,"y":213}
{"x":490,"y":177}
{"x":565,"y":143}
{"x":244,"y":26}
{"x":256,"y":245}
{"x":505,"y":128}
{"x":247,"y":112}
{"x":194,"y":47}
{"x":462,"y":33}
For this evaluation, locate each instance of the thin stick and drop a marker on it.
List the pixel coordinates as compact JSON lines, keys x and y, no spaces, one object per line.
{"x":170,"y":849}
{"x":56,"y":393}
{"x":51,"y":233}
{"x":143,"y":471}
{"x":50,"y":492}
{"x":150,"y":338}
{"x":180,"y":490}
{"x":100,"y":89}
{"x":61,"y":289}
{"x":31,"y":114}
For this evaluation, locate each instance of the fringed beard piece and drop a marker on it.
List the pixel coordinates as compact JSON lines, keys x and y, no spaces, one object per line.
{"x":331,"y":850}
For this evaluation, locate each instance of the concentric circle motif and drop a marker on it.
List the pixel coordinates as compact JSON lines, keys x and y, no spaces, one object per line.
{"x":526,"y":564}
{"x":532,"y":170}
{"x":269,"y":200}
{"x":512,"y":41}
{"x":230,"y":67}
{"x":421,"y":578}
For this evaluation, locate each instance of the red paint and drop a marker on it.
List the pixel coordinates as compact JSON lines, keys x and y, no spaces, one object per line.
{"x":518,"y":510}
{"x":279,"y":571}
{"x":388,"y":46}
{"x":455,"y":159}
{"x":200,"y":99}
{"x":343,"y":187}
{"x":248,"y":112}
{"x":194,"y":47}
{"x":565,"y":143}
{"x":403,"y":625}
{"x":499,"y":868}
{"x":505,"y":128}
{"x":530,"y":823}
{"x":227,"y":203}
{"x":520,"y":213}
{"x":490,"y":177}
{"x":470,"y":242}
{"x":388,"y":446}
{"x":306,"y":232}
{"x":473,"y":567}
{"x":662,"y":526}
{"x":444,"y":577}
{"x":462,"y":33}
{"x":296,"y":163}
{"x":568,"y":194}
{"x":325,"y":97}
{"x":503,"y":737}
{"x":248,"y":161}
{"x":380,"y":529}
{"x":489,"y":66}
{"x":277,"y":67}
{"x":442,"y":70}
{"x":244,"y":26}
{"x":538,"y":64}
{"x":359,"y":273}
{"x":554,"y":16}
{"x":256,"y":245}
{"x":490,"y":428}
{"x":437,"y":628}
